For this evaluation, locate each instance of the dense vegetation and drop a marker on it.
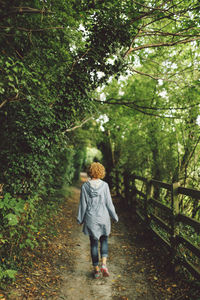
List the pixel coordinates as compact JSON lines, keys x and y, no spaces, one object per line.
{"x":154,"y":133}
{"x":54,"y":55}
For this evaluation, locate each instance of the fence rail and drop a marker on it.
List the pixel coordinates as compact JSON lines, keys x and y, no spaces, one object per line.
{"x":166,"y":221}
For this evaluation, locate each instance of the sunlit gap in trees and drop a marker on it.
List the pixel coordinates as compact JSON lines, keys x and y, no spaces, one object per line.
{"x":84,"y":31}
{"x":102,"y":120}
{"x":92,"y":154}
{"x":109,"y":61}
{"x":198,"y":119}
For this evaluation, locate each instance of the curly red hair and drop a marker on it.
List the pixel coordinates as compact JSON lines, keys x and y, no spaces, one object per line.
{"x":96,"y":170}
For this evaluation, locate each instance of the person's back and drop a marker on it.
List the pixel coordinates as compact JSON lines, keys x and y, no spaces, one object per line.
{"x":98,"y":210}
{"x":95,"y":210}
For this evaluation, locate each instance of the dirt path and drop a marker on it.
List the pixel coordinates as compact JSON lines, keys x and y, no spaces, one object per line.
{"x":124,"y":281}
{"x":63,"y":270}
{"x":133,"y":271}
{"x":78,"y":283}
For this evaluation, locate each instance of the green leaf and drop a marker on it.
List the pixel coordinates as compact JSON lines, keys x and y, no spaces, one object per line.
{"x":11,"y":78}
{"x":12,"y":219}
{"x":11,"y":273}
{"x":8,"y":64}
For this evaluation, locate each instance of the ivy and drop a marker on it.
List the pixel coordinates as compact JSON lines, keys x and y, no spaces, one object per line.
{"x":54,"y":54}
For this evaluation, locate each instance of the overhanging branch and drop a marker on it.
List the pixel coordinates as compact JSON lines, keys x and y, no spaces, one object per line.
{"x":25,"y":10}
{"x":13,"y":99}
{"x":144,"y":109}
{"x":151,"y":76}
{"x":32,"y":30}
{"x":78,"y":126}
{"x":3,"y":103}
{"x":184,"y":41}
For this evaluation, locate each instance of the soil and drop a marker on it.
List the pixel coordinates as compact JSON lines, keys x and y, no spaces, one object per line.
{"x":138,"y":265}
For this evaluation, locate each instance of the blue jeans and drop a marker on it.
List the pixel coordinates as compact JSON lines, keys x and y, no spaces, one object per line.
{"x":94,"y":248}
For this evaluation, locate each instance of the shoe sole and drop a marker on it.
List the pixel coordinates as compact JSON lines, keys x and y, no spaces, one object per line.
{"x":104,"y":273}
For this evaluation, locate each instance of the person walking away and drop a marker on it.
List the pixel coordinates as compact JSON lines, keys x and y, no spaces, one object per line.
{"x":94,"y":212}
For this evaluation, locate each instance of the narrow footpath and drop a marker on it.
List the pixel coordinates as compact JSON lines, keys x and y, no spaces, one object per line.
{"x":137,"y":266}
{"x":134,"y":274}
{"x":125,"y":282}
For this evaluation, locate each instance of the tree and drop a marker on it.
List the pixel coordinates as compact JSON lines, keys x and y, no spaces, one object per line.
{"x":54,"y":54}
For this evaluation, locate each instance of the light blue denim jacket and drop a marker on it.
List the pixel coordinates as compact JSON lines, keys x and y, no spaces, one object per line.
{"x":95,"y":209}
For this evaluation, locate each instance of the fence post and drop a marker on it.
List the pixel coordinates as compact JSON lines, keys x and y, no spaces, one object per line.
{"x":149,"y":194}
{"x":127,"y":193}
{"x":130,"y":190}
{"x":133,"y":195}
{"x":117,"y":182}
{"x":175,"y":212}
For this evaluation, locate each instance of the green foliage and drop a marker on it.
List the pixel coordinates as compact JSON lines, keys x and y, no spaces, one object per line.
{"x":54,"y":54}
{"x":92,"y":154}
{"x":21,"y":224}
{"x":9,"y":273}
{"x":151,"y":133}
{"x":47,"y":71}
{"x":79,"y":159}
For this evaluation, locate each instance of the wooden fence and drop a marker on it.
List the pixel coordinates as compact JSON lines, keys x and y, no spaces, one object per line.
{"x":166,"y":218}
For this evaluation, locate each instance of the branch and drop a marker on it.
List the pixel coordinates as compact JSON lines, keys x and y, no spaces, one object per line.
{"x":15,"y":98}
{"x":76,"y":61}
{"x":184,"y":41}
{"x":155,"y":115}
{"x":32,"y":30}
{"x":169,"y":75}
{"x":19,"y":54}
{"x":78,"y":126}
{"x":130,"y":48}
{"x":175,"y":14}
{"x":3,"y":103}
{"x":167,"y":108}
{"x":25,"y":10}
{"x":151,"y":76}
{"x":149,"y":12}
{"x":148,"y":7}
{"x":133,"y":103}
{"x":128,"y":104}
{"x":162,"y":33}
{"x":182,"y":71}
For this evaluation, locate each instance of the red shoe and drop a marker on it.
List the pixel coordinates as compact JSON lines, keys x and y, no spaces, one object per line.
{"x":104,"y":271}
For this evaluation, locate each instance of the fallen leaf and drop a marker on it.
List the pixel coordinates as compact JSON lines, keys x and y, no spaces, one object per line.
{"x":155,"y":278}
{"x":37,"y":274}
